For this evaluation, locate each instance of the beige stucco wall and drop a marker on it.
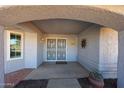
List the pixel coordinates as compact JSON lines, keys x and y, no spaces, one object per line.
{"x":30,"y":27}
{"x":102,"y":15}
{"x":101,"y":52}
{"x":89,"y":56}
{"x":40,"y":50}
{"x":32,"y":54}
{"x":108,"y":52}
{"x":30,"y":50}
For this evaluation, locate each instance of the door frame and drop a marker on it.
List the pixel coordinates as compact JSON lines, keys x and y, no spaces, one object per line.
{"x":56,"y":47}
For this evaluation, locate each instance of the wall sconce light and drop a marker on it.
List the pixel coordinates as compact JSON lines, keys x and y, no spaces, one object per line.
{"x":42,"y":39}
{"x":83,"y":43}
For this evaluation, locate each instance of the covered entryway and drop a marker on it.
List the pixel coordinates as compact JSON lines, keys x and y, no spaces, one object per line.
{"x":66,"y":48}
{"x":100,"y":15}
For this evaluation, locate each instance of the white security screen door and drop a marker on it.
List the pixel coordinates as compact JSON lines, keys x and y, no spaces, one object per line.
{"x":51,"y":49}
{"x":56,"y":49}
{"x":61,"y":49}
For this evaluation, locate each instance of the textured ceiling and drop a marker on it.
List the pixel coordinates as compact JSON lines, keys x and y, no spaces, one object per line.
{"x":110,"y":16}
{"x":61,"y":26}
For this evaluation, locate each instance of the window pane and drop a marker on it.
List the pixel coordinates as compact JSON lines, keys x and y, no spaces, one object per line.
{"x":12,"y":53}
{"x":12,"y":39}
{"x":18,"y":53}
{"x":18,"y":37}
{"x":18,"y":45}
{"x":15,"y":45}
{"x":12,"y":36}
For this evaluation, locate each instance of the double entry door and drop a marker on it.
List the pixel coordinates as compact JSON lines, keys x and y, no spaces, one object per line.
{"x":56,"y":49}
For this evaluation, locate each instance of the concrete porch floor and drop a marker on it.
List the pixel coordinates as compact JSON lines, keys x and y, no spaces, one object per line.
{"x":58,"y":71}
{"x":58,"y":75}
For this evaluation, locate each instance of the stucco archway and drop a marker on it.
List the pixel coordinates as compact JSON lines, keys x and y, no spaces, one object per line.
{"x":103,"y":15}
{"x":110,"y":16}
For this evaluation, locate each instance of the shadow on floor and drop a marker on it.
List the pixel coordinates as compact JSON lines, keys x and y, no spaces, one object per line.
{"x":83,"y":82}
{"x":32,"y":84}
{"x":108,"y":83}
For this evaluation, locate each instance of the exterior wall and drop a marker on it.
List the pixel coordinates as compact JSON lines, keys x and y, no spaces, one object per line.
{"x":1,"y":56}
{"x":30,"y":50}
{"x":111,"y":16}
{"x":37,"y":46}
{"x":108,"y":52}
{"x":89,"y":56}
{"x":72,"y":43}
{"x":39,"y":49}
{"x":12,"y":65}
{"x":121,"y":60}
{"x":101,"y":52}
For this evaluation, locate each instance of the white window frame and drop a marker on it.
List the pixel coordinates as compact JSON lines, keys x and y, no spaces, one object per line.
{"x":8,"y":45}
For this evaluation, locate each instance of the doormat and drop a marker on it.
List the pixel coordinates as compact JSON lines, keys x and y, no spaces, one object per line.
{"x":61,"y":62}
{"x":32,"y":84}
{"x":108,"y":83}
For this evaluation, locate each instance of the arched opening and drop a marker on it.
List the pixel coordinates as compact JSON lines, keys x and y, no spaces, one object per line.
{"x":46,"y":38}
{"x":93,"y":14}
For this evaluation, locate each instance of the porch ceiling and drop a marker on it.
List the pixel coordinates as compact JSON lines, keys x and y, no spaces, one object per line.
{"x":61,"y":26}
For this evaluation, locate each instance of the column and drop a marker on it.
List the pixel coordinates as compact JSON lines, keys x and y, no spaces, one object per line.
{"x":120,"y":74}
{"x":1,"y":56}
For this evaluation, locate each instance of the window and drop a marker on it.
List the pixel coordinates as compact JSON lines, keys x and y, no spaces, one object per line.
{"x":15,"y":45}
